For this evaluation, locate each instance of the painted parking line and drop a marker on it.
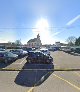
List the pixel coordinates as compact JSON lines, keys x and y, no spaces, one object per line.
{"x":77,"y":74}
{"x":78,"y":88}
{"x":31,"y":89}
{"x":20,"y":62}
{"x":55,"y":64}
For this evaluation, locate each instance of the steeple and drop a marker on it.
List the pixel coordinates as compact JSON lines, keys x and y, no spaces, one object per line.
{"x":38,"y":36}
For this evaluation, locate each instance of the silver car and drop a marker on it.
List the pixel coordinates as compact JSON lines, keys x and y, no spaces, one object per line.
{"x":6,"y":56}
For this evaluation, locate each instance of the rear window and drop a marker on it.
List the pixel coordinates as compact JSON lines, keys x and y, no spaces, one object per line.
{"x":31,"y":53}
{"x":44,"y":50}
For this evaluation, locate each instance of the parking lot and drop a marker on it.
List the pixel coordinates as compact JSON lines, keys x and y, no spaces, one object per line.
{"x":41,"y":77}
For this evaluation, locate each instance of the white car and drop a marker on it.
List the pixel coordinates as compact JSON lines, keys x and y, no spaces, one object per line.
{"x":45,"y":51}
{"x":24,"y":52}
{"x":19,"y":52}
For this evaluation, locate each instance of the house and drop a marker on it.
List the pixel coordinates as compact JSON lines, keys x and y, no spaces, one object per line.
{"x":35,"y":43}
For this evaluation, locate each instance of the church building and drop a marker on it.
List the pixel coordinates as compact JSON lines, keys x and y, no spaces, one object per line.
{"x":35,"y":43}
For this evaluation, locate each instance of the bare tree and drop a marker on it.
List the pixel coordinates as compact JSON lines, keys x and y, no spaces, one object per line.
{"x":77,"y":42}
{"x":18,"y":42}
{"x":71,"y":40}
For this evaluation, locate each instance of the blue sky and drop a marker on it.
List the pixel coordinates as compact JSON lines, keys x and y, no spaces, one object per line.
{"x":17,"y":17}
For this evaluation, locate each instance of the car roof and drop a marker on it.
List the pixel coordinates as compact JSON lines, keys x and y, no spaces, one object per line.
{"x":34,"y":51}
{"x":3,"y":51}
{"x":43,"y":49}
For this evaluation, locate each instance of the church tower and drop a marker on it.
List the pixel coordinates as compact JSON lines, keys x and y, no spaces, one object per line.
{"x":38,"y":40}
{"x":38,"y":37}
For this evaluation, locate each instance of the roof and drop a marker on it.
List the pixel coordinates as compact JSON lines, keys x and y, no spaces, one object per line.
{"x":43,"y":49}
{"x":33,"y":40}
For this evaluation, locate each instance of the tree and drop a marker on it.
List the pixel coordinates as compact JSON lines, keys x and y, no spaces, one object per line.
{"x":77,"y":42}
{"x":71,"y":40}
{"x":18,"y":42}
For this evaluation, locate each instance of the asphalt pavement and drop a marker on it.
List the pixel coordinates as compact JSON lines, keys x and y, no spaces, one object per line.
{"x":41,"y":77}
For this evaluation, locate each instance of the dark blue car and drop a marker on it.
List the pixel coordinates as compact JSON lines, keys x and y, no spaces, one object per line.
{"x":38,"y":57}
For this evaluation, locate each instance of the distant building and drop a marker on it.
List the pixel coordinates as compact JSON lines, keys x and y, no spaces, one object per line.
{"x":9,"y":45}
{"x":58,"y":44}
{"x":36,"y":42}
{"x":5,"y":45}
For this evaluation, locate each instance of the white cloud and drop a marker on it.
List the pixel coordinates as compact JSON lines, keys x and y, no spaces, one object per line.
{"x":56,"y":33}
{"x":73,"y":20}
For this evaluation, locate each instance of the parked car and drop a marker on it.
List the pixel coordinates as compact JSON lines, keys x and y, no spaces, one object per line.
{"x":39,"y":57}
{"x":19,"y":52}
{"x":45,"y":51}
{"x":27,"y":49}
{"x":6,"y":56}
{"x":66,"y":49}
{"x":77,"y":50}
{"x":24,"y":52}
{"x":1,"y":49}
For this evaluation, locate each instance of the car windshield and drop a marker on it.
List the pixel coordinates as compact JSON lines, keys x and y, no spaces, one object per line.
{"x":39,"y":45}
